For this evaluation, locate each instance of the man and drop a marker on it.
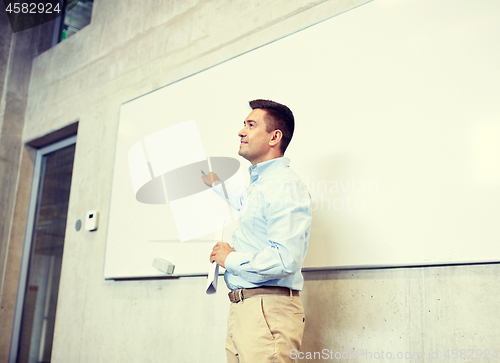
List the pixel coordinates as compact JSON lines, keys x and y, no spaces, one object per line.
{"x":266,"y":316}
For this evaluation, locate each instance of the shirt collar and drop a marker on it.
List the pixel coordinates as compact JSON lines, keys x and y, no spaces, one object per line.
{"x":267,"y":167}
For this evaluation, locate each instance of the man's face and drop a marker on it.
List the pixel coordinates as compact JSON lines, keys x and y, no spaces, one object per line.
{"x":254,"y":142}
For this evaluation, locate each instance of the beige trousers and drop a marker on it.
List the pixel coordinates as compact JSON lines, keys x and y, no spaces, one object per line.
{"x":264,"y":328}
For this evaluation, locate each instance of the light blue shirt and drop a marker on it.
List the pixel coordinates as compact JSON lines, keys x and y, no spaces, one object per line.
{"x":272,"y":235}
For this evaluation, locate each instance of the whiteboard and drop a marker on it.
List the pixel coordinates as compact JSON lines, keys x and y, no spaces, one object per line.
{"x":397,"y":138}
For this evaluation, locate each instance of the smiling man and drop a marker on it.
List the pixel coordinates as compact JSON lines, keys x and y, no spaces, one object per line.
{"x":263,"y":266}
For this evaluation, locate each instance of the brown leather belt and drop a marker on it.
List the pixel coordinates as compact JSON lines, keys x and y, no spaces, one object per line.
{"x":239,"y":295}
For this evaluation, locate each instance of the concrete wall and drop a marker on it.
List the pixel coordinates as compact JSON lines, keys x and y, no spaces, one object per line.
{"x":134,"y":47}
{"x":17,"y":52}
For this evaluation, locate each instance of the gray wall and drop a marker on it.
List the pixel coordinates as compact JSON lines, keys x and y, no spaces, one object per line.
{"x":17,"y":52}
{"x":134,"y":47}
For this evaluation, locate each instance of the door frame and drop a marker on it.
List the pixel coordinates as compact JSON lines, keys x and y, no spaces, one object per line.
{"x":28,"y":239}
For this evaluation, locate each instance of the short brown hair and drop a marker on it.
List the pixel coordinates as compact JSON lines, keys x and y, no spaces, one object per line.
{"x":280,"y":118}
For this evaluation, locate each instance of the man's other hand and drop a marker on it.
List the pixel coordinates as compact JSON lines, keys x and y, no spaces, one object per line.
{"x":209,"y":179}
{"x":220,"y":252}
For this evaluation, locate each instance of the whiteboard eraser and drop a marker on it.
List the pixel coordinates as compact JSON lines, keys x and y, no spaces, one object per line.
{"x":164,"y":266}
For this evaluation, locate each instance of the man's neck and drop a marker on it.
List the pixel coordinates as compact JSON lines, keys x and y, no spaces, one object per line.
{"x":265,"y":159}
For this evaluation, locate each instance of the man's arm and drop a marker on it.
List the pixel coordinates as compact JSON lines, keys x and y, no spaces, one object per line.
{"x":289,"y":221}
{"x":234,"y":194}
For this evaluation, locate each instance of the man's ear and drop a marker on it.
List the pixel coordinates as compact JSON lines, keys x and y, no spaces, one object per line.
{"x":276,"y":137}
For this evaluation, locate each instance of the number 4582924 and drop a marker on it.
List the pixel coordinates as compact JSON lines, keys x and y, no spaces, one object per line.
{"x":32,"y":8}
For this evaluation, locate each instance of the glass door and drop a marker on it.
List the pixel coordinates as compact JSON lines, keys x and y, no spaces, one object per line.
{"x":42,"y":254}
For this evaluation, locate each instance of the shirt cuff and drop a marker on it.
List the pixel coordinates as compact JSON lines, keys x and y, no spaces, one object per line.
{"x":234,"y":261}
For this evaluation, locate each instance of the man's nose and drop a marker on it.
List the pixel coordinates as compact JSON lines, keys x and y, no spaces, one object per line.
{"x":241,"y":133}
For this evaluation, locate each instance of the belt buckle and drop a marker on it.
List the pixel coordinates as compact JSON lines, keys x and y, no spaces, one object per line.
{"x":237,"y":295}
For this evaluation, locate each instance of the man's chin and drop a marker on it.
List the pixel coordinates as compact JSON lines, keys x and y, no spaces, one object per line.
{"x":242,"y":154}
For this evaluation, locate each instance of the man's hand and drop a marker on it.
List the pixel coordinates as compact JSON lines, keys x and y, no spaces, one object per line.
{"x":220,"y":252}
{"x":209,"y":179}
